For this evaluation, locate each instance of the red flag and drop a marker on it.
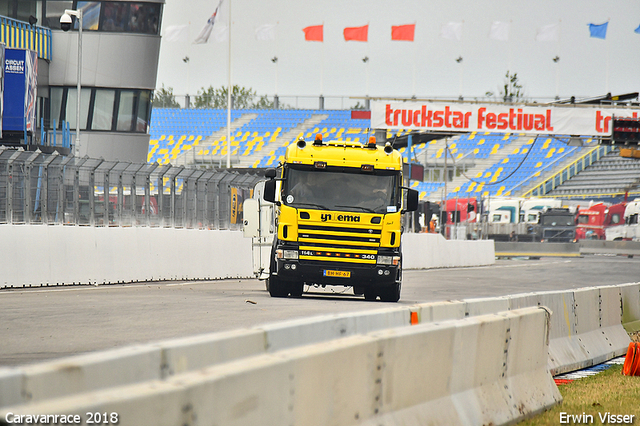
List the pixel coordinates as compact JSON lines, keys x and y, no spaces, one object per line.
{"x":403,"y":32}
{"x":356,"y":33}
{"x":313,"y":33}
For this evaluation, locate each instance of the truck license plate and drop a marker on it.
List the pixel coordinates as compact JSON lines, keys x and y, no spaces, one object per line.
{"x":341,"y":274}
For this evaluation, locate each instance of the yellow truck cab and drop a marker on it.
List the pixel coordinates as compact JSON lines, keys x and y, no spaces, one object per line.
{"x":339,"y":212}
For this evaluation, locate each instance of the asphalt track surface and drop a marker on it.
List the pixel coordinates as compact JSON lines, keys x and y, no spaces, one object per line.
{"x":46,"y":323}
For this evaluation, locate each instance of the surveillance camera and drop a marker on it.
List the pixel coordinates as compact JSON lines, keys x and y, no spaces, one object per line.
{"x":65,"y":22}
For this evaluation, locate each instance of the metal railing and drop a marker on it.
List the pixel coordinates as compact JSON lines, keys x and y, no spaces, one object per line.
{"x":569,"y":171}
{"x":21,"y":35}
{"x":38,"y":188}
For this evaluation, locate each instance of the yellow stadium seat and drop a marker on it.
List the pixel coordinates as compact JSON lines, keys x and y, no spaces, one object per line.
{"x":550,"y":153}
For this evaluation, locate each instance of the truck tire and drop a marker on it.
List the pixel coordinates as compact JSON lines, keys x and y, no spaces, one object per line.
{"x":391,"y":293}
{"x":276,"y":287}
{"x":296,"y":289}
{"x":370,"y":294}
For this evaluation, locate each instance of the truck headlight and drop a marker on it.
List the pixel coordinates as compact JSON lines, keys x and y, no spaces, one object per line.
{"x":389,"y":260}
{"x":287,"y":254}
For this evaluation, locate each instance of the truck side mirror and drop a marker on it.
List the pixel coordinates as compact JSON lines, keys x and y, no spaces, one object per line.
{"x":270,"y":173}
{"x":412,"y":200}
{"x":269,"y":193}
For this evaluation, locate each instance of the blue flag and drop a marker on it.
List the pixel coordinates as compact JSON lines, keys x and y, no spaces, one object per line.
{"x":637,"y":30}
{"x":598,"y":31}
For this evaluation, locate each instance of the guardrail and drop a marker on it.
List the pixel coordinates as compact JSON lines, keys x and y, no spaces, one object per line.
{"x":568,"y":172}
{"x":460,"y":360}
{"x":21,"y":35}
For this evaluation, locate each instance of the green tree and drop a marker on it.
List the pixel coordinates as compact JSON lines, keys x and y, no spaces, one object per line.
{"x":512,"y":90}
{"x":164,"y":98}
{"x":264,"y":103}
{"x":217,"y":98}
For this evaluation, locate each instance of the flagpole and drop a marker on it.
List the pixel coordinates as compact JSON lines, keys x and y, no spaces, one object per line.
{"x":229,"y":97}
{"x":322,"y":65}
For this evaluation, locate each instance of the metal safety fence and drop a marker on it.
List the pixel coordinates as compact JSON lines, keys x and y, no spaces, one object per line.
{"x":38,"y":188}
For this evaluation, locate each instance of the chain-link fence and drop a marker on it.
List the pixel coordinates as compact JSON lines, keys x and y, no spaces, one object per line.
{"x":38,"y":188}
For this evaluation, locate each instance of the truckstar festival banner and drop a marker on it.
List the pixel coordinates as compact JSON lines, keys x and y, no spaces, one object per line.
{"x":476,"y":117}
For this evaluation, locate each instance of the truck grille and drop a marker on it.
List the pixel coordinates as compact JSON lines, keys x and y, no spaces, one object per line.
{"x":338,"y":244}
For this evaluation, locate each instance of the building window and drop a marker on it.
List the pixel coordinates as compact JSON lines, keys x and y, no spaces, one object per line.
{"x":72,"y":101}
{"x":102,"y":109}
{"x":55,"y":9}
{"x":90,"y":15}
{"x":125,"y":111}
{"x":119,"y":16}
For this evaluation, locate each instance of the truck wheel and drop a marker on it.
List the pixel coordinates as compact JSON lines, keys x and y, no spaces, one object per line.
{"x":276,"y":287}
{"x":390,"y":294}
{"x":297,"y":289}
{"x":370,"y":294}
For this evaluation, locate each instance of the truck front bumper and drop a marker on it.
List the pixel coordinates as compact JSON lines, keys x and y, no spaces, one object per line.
{"x":342,"y":274}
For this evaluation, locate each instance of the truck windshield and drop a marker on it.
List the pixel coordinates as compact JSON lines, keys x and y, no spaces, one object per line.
{"x":557,"y":220}
{"x":341,"y":191}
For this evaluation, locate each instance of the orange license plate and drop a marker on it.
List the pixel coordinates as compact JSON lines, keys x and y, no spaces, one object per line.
{"x":341,"y":274}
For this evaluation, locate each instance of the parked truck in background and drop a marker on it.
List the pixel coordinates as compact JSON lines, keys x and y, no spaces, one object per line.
{"x":338,"y":208}
{"x":630,"y":230}
{"x":556,"y":225}
{"x":592,"y":222}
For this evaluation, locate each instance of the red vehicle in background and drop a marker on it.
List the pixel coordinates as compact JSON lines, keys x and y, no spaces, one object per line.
{"x":592,"y":222}
{"x":460,"y":210}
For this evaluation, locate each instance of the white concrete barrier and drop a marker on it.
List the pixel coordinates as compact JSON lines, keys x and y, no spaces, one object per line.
{"x":586,"y":327}
{"x":422,"y":251}
{"x":101,"y":255}
{"x":469,"y":371}
{"x":630,"y":306}
{"x":88,"y":255}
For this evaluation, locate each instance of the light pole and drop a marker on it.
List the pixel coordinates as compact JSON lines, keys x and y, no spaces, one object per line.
{"x":65,"y":24}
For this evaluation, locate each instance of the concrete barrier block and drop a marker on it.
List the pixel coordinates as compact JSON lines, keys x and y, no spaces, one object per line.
{"x":398,"y":376}
{"x":563,"y":312}
{"x":197,"y":352}
{"x":488,"y":305}
{"x":610,"y":306}
{"x":85,"y":373}
{"x":337,"y":382}
{"x":442,"y":311}
{"x":630,"y":294}
{"x":305,"y":331}
{"x":10,"y":386}
{"x":587,"y":302}
{"x":523,"y":300}
{"x":238,"y":393}
{"x":527,"y":363}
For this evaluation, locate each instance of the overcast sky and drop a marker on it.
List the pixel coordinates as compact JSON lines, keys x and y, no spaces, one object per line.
{"x":426,"y":67}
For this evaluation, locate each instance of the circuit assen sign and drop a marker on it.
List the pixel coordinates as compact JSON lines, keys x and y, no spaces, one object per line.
{"x":461,"y":117}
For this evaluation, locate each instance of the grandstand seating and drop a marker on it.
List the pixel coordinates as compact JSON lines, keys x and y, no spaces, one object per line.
{"x":259,"y":138}
{"x":611,"y":174}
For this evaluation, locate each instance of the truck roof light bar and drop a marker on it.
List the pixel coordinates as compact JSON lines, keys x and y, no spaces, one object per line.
{"x":318,"y":141}
{"x":372,"y":142}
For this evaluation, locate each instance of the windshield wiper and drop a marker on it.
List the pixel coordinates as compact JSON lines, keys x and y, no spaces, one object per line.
{"x":310,"y":204}
{"x":366,"y":209}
